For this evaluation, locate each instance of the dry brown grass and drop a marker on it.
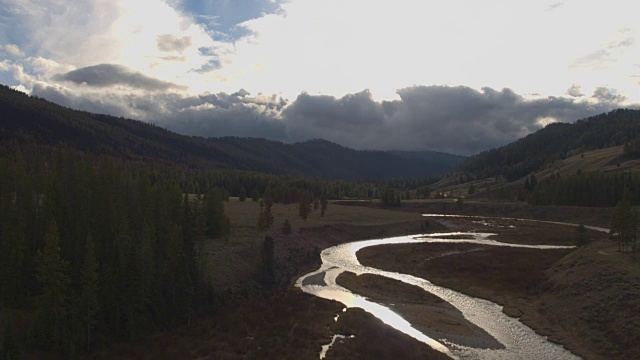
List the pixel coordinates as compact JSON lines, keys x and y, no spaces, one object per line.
{"x":234,"y":262}
{"x":602,"y":160}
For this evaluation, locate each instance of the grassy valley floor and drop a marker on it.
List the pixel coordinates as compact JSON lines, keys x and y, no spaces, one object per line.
{"x":587,"y":299}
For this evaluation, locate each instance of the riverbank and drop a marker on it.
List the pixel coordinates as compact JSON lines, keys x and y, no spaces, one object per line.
{"x":587,"y":299}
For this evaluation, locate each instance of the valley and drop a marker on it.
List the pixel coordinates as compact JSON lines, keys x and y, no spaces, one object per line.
{"x":120,"y":239}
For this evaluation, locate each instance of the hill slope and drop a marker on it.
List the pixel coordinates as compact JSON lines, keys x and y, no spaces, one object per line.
{"x":555,"y":142}
{"x":33,"y":121}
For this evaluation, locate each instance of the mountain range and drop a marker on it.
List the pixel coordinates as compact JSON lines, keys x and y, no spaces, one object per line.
{"x":34,"y":121}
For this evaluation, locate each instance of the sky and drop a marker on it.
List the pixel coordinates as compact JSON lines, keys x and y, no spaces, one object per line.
{"x":452,"y":76}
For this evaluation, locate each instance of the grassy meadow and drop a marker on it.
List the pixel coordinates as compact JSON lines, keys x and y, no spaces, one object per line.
{"x":232,"y":261}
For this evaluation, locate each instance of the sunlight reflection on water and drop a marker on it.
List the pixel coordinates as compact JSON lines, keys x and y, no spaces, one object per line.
{"x":520,"y":341}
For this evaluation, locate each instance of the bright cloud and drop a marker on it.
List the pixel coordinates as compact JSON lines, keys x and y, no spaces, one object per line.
{"x":181,"y":63}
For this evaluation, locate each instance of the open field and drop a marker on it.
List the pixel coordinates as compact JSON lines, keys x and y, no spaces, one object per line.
{"x":586,"y":299}
{"x":608,"y":160}
{"x":283,"y":322}
{"x":236,"y":261}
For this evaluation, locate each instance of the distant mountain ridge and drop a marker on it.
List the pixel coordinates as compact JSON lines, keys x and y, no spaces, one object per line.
{"x":555,"y":142}
{"x":29,"y":120}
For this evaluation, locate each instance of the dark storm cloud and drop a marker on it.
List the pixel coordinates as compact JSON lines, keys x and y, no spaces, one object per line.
{"x":173,"y":43}
{"x":458,"y":120}
{"x":452,"y":119}
{"x":339,"y":120}
{"x":107,"y":75}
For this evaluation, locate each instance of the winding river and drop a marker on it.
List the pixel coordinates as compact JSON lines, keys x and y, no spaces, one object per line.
{"x":519,"y":341}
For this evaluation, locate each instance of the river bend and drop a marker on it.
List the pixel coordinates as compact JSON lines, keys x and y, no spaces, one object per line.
{"x":519,"y":341}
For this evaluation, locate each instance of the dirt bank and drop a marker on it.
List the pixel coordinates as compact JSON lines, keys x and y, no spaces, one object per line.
{"x":587,"y":299}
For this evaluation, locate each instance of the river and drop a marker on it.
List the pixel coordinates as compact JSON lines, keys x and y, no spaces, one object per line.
{"x":519,"y":341}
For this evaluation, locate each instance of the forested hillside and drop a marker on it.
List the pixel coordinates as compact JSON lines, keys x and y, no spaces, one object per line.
{"x":554,"y":142}
{"x":27,"y":120}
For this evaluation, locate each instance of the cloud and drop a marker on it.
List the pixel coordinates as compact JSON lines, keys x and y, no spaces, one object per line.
{"x":554,"y":6}
{"x":595,"y":59}
{"x":459,"y":120}
{"x":173,"y":43}
{"x":574,"y":91}
{"x":209,"y":115}
{"x":108,"y":75}
{"x":613,"y":52}
{"x":607,"y":95}
{"x":622,"y":43}
{"x":13,"y":50}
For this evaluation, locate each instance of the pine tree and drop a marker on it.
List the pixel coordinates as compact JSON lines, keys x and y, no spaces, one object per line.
{"x":51,"y":269}
{"x":255,"y":195}
{"x":268,"y":262}
{"x":217,"y":222}
{"x":304,"y":205}
{"x":286,"y":227}
{"x":623,"y":224}
{"x":89,"y":294}
{"x":323,"y":203}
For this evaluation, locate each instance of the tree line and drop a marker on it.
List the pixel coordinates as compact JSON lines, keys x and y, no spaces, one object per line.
{"x":585,"y":189}
{"x":96,"y":249}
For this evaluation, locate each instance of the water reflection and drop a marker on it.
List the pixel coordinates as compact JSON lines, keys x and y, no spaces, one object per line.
{"x":520,"y":342}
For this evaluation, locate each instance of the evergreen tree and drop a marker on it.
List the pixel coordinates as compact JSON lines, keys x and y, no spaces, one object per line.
{"x":242,"y":196}
{"x":217,"y":222}
{"x":88,"y":303}
{"x":255,"y":195}
{"x":286,"y":227}
{"x":389,"y":198}
{"x":268,"y":262}
{"x":265,"y":219}
{"x":623,"y":225}
{"x":52,"y":272}
{"x":323,"y":203}
{"x":304,"y":206}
